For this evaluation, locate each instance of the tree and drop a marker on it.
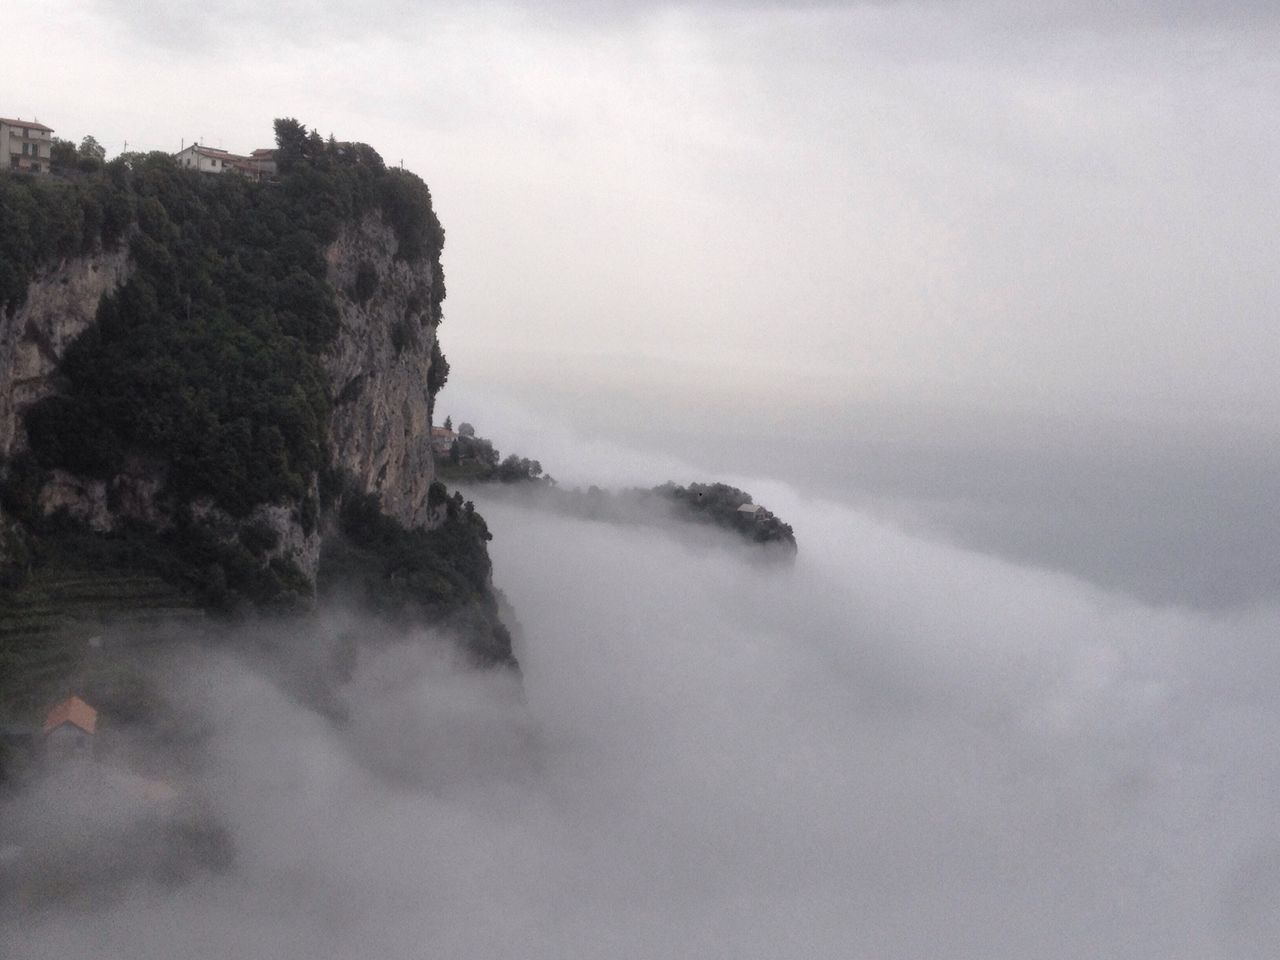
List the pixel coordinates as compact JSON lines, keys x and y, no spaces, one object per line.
{"x":437,"y":372}
{"x":291,"y":143}
{"x":466,"y":430}
{"x":90,"y":147}
{"x":62,"y":154}
{"x":91,"y":154}
{"x":516,"y":468}
{"x":448,"y":423}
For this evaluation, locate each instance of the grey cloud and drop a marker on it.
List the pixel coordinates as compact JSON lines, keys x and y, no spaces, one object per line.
{"x":1165,"y":510}
{"x":897,"y":749}
{"x":192,"y":25}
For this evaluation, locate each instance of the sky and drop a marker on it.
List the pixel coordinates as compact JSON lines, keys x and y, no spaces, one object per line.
{"x":1004,"y":271}
{"x":1061,"y":207}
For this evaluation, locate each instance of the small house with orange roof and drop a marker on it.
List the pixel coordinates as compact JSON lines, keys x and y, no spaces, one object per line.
{"x":69,"y":728}
{"x":442,"y":440}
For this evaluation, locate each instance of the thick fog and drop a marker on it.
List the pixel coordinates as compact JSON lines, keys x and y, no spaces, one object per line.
{"x":1169,"y":512}
{"x":895,"y":749}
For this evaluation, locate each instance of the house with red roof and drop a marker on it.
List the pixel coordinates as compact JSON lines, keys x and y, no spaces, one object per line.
{"x":69,"y":728}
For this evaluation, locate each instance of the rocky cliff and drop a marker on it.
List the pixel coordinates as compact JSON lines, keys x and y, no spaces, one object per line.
{"x":379,"y":366}
{"x":229,"y":385}
{"x":215,"y":401}
{"x":60,"y":304}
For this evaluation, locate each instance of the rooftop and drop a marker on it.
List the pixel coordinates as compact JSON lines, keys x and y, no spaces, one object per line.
{"x":75,"y":711}
{"x":30,"y":124}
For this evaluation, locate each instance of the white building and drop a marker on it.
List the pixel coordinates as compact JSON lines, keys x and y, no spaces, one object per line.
{"x":264,"y":161}
{"x":210,"y":159}
{"x":25,"y":145}
{"x":259,"y":166}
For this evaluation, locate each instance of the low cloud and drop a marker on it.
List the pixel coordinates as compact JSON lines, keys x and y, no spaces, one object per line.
{"x":897,"y":748}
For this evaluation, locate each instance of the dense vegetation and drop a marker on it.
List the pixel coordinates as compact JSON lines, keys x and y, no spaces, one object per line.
{"x":44,"y":219}
{"x":440,"y":576}
{"x":207,"y":361}
{"x":208,"y":357}
{"x":718,"y":504}
{"x":474,"y":459}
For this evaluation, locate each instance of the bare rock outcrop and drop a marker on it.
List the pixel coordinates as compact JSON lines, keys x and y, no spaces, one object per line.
{"x":380,"y":427}
{"x":60,"y":305}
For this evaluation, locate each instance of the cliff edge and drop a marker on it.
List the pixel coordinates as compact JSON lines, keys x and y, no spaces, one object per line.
{"x":225,"y":384}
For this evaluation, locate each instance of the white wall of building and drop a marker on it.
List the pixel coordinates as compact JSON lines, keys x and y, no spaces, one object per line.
{"x":30,"y":147}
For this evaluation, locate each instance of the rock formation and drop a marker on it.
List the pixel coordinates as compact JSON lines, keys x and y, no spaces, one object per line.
{"x":380,"y":426}
{"x":378,"y":367}
{"x":60,"y":305}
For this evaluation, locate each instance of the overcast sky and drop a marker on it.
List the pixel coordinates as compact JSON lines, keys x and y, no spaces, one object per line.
{"x":1070,"y":209}
{"x":1013,"y":264}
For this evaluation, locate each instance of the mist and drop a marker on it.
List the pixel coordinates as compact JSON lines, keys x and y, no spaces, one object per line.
{"x":1172,"y":513}
{"x":896,"y":748}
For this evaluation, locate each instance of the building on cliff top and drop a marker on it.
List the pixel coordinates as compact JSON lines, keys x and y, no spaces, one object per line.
{"x":442,"y":439}
{"x":264,"y":160}
{"x":69,"y":727}
{"x":25,"y":145}
{"x":259,"y":165}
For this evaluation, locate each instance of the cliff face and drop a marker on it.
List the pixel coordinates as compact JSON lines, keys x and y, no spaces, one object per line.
{"x":378,"y":366}
{"x":236,"y":398}
{"x":60,"y":305}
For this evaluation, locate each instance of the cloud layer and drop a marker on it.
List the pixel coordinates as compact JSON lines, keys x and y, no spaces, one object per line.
{"x":898,"y":749}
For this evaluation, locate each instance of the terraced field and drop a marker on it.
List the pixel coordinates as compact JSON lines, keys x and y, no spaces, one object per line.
{"x":47,"y":625}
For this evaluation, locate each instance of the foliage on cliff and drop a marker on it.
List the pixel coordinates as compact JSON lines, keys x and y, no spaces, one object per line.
{"x":474,"y":459}
{"x":208,"y":357}
{"x":208,"y":360}
{"x":43,"y":220}
{"x":439,"y":576}
{"x":718,"y":504}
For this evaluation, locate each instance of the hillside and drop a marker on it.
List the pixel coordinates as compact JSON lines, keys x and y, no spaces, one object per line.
{"x":216,"y":397}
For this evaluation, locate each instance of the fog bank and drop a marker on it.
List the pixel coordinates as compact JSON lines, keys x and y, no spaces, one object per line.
{"x":896,"y":749}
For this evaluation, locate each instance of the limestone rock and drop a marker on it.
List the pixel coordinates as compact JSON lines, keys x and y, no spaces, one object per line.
{"x":378,"y":366}
{"x":380,"y":428}
{"x":61,"y":304}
